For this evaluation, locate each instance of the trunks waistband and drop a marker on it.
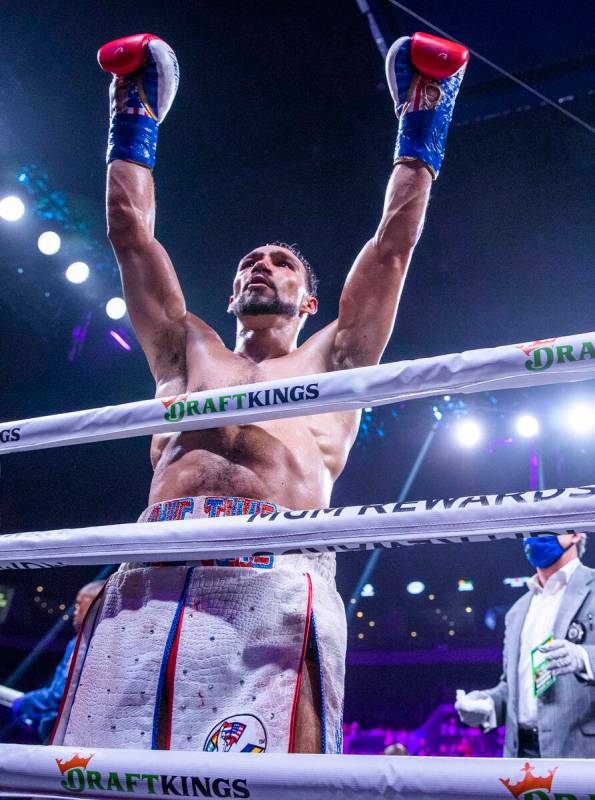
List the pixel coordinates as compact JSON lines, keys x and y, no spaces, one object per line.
{"x":206,"y":506}
{"x":232,"y":506}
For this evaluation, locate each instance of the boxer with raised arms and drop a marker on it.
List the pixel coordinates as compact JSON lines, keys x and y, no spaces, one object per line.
{"x":245,"y":654}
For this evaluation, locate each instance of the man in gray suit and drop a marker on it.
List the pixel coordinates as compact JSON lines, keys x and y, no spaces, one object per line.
{"x":546,"y":695}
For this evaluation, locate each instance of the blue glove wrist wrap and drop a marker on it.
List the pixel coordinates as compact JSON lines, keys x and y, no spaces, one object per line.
{"x":133,"y":137}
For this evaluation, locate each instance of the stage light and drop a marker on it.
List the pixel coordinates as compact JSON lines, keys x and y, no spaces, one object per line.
{"x":581,"y":418}
{"x":11,"y":208}
{"x":368,"y":591}
{"x":464,"y":585}
{"x":115,"y":308}
{"x":516,"y":583}
{"x":468,"y":433}
{"x":120,"y":340}
{"x":77,"y":272}
{"x":416,"y":587}
{"x":527,"y":426}
{"x":49,"y":243}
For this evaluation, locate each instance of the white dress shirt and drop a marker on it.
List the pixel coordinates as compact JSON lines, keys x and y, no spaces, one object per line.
{"x":538,"y":625}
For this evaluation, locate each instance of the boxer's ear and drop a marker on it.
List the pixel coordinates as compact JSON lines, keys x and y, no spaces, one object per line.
{"x":309,"y":305}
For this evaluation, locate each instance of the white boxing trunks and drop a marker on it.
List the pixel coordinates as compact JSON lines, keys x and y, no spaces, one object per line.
{"x":207,"y":655}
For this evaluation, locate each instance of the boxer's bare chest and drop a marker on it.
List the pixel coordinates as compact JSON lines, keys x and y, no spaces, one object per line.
{"x":293,"y":462}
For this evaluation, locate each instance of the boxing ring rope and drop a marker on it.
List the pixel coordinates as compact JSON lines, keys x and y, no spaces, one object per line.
{"x":346,"y":528}
{"x":545,"y":361}
{"x":27,"y":770}
{"x":151,"y":774}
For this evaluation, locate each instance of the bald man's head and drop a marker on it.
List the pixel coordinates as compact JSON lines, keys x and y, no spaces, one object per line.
{"x":84,"y":598}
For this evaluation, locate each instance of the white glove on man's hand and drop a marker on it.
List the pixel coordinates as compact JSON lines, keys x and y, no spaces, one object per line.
{"x":476,"y":709}
{"x":564,"y":657}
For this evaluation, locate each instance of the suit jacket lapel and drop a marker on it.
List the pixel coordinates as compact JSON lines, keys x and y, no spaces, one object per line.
{"x":578,"y":588}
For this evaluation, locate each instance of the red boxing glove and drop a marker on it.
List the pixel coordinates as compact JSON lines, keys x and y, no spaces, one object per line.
{"x":437,"y":58}
{"x":144,"y":83}
{"x":126,"y":55}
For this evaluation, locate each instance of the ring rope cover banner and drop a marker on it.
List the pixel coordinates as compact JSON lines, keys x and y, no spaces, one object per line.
{"x":545,"y":361}
{"x":432,"y":521}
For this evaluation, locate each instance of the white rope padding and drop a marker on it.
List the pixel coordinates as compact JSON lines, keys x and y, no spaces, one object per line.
{"x":463,"y":519}
{"x":8,"y":696}
{"x":546,"y":361}
{"x":27,"y":770}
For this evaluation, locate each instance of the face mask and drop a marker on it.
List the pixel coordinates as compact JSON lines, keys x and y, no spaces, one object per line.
{"x":543,"y":551}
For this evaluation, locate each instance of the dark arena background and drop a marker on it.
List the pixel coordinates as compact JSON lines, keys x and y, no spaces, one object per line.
{"x":283,"y":128}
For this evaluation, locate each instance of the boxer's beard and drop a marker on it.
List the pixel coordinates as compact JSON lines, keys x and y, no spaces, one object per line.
{"x":250,"y":304}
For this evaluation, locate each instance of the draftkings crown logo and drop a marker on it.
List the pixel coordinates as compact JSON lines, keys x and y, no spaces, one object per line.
{"x":529,"y":347}
{"x":74,"y":762}
{"x":531,"y":787}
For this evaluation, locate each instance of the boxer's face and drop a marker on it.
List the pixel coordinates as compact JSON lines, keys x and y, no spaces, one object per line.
{"x":270,"y":280}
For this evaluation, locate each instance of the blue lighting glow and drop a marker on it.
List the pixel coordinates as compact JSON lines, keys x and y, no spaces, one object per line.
{"x":490,"y":619}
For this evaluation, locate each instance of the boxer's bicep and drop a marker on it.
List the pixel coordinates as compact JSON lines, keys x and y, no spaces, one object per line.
{"x":368,"y":308}
{"x":152,"y":292}
{"x":370,"y":297}
{"x":154,"y":300}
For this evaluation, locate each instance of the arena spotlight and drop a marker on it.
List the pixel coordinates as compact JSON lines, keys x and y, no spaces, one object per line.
{"x":11,"y":208}
{"x":527,"y":426}
{"x":468,"y":433}
{"x":115,"y":308}
{"x":415,"y":587}
{"x":77,"y":272}
{"x":581,"y":418}
{"x":49,"y":243}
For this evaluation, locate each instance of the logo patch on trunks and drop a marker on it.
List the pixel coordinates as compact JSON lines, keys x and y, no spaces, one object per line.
{"x":236,"y":506}
{"x":243,"y":733}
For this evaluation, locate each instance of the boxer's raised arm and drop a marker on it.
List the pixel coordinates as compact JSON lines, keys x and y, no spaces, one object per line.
{"x":370,"y":297}
{"x":145,"y":76}
{"x":152,"y":292}
{"x":424,"y":74}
